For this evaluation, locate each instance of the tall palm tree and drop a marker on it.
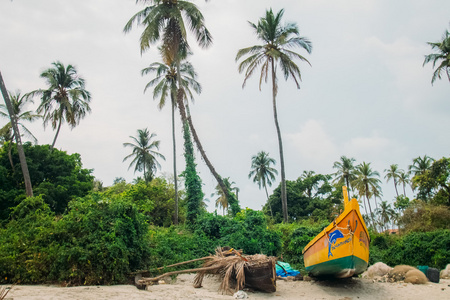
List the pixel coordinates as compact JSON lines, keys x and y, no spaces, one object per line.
{"x":278,"y":40}
{"x":222,"y":200}
{"x":164,"y":20}
{"x":386,"y":213}
{"x":262,"y":172}
{"x":21,"y":152}
{"x":393,"y":173}
{"x":65,"y":99}
{"x":144,"y":153}
{"x":18,"y":103}
{"x":345,"y":172}
{"x":165,"y":86}
{"x":421,"y":165}
{"x":443,"y":56}
{"x":403,"y":179}
{"x":366,"y":182}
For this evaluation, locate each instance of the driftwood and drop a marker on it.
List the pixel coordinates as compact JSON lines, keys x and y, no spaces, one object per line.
{"x":234,"y":269}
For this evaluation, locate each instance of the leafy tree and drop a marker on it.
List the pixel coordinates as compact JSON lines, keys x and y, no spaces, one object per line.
{"x":144,"y":153}
{"x":345,"y":172}
{"x":420,"y":169}
{"x":21,"y":152}
{"x":65,"y":99}
{"x":56,"y":175}
{"x":434,"y":183}
{"x":366,"y":182}
{"x":442,"y":57}
{"x":320,"y":206}
{"x":277,"y":41}
{"x":262,"y":172}
{"x":165,"y":86}
{"x":393,"y":173}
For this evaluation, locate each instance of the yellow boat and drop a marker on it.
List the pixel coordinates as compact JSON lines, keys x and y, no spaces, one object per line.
{"x":342,"y":248}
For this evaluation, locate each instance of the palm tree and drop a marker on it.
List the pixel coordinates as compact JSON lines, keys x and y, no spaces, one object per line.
{"x":262,"y":172}
{"x":165,"y":86}
{"x":163,"y":20}
{"x":393,"y":173}
{"x":421,"y":165}
{"x":366,"y":182}
{"x":386,"y":213}
{"x":18,"y":103}
{"x":21,"y":152}
{"x":222,"y":200}
{"x":275,"y":50}
{"x":443,"y":56}
{"x":403,"y":179}
{"x":144,"y":153}
{"x":345,"y":172}
{"x":65,"y":99}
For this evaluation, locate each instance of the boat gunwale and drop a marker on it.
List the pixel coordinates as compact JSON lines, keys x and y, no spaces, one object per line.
{"x":336,"y":222}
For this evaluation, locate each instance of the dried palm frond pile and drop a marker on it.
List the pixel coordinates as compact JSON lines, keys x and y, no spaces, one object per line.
{"x":235,"y":270}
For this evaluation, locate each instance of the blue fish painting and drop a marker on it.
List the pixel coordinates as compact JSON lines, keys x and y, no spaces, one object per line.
{"x":337,"y":234}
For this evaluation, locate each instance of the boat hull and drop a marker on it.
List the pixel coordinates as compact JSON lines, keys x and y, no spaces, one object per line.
{"x":342,"y":248}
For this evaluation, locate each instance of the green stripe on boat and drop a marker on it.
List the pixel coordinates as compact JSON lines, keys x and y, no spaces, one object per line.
{"x":335,"y":266}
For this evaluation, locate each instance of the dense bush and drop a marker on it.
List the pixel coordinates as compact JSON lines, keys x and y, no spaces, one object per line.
{"x":295,"y":237}
{"x":96,"y":242}
{"x":416,"y":248}
{"x":56,"y":175}
{"x":247,"y":231}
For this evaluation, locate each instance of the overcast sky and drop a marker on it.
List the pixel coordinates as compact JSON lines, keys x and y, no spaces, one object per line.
{"x":366,"y":95}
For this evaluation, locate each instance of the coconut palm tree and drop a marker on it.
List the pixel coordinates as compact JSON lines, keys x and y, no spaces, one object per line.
{"x":366,"y":182}
{"x":442,"y":56}
{"x":65,"y":99}
{"x":165,"y":20}
{"x":222,"y":200}
{"x":21,"y":152}
{"x":144,"y":153}
{"x":275,"y":50}
{"x":345,"y":172}
{"x":403,"y":179}
{"x":421,"y":165}
{"x":165,"y":86}
{"x":386,"y":213}
{"x":262,"y":172}
{"x":18,"y":103}
{"x":393,"y":173}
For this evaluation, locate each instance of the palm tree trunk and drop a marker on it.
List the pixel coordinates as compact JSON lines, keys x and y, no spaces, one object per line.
{"x":370,"y":208}
{"x":175,"y":221}
{"x":184,"y":118}
{"x":23,"y":161}
{"x":280,"y":145}
{"x":56,"y":135}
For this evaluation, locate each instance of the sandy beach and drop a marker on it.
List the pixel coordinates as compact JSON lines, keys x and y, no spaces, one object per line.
{"x":182,"y":288}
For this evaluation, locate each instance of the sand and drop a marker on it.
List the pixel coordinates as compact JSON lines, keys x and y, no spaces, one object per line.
{"x":182,"y":288}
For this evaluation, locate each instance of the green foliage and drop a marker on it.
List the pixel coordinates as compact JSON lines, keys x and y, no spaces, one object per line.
{"x":55,"y":175}
{"x":307,"y":197}
{"x":416,"y":248}
{"x":193,"y":182}
{"x":176,"y":244}
{"x":423,"y":217}
{"x":96,"y":242}
{"x":295,"y":237}
{"x":247,"y":231}
{"x":25,"y":242}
